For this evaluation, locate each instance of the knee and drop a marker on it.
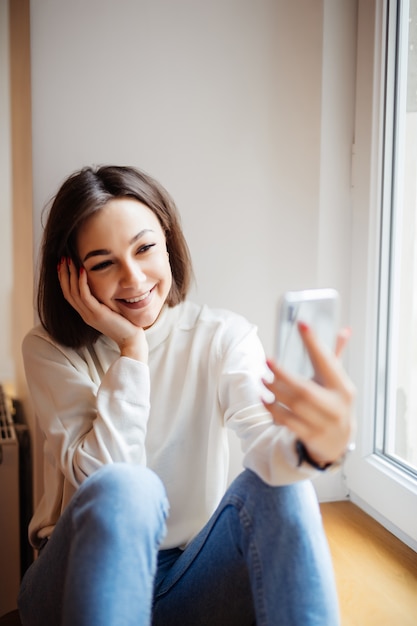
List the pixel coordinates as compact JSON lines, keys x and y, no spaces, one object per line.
{"x":122,"y":494}
{"x":123,"y":480}
{"x":295,"y":505}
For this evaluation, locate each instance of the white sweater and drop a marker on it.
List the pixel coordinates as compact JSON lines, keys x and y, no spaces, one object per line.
{"x":95,"y":407}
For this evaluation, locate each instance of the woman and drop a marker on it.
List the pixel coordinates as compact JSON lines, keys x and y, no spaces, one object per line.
{"x":133,"y":387}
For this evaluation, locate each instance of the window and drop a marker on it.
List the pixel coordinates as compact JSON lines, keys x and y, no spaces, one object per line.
{"x":382,"y":474}
{"x":396,"y":412}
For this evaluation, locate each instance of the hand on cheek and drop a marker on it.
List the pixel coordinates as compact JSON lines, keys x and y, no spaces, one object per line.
{"x":130,"y":338}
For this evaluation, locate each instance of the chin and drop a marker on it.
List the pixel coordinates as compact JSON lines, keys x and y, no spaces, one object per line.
{"x":146,"y":321}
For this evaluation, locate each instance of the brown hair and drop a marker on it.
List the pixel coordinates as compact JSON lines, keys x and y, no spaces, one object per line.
{"x":82,"y":194}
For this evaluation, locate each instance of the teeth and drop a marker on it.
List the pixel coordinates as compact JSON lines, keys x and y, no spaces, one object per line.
{"x":142,"y":297}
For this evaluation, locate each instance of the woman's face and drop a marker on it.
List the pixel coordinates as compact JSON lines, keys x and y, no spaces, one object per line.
{"x":123,"y":250}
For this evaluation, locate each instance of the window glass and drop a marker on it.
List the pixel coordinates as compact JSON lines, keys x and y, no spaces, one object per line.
{"x":397,"y":371}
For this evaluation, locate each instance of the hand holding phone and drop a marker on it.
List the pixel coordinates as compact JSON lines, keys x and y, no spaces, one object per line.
{"x":318,"y":407}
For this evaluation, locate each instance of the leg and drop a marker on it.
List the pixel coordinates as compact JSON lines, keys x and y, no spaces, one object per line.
{"x":98,"y":566}
{"x":263,"y":556}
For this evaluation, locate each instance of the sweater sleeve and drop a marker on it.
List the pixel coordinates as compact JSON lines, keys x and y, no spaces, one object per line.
{"x":268,"y":449}
{"x":87,"y":422}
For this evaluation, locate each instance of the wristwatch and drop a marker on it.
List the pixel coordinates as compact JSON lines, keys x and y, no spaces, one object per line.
{"x":303,"y":456}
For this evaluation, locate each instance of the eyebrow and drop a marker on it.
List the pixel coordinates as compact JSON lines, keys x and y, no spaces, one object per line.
{"x":104,"y":251}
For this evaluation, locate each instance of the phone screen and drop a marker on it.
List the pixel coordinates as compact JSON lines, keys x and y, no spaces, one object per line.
{"x":316,"y":307}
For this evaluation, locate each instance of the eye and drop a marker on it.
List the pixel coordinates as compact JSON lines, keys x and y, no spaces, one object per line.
{"x":100,"y":266}
{"x":145,"y":248}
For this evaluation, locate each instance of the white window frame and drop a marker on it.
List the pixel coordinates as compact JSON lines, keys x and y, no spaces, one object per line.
{"x":375,"y":484}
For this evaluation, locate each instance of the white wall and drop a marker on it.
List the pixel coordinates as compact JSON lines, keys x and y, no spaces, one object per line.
{"x":230,"y":105}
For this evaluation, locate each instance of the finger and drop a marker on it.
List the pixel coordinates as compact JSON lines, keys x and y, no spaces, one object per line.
{"x":325,"y":426}
{"x":308,"y":426}
{"x":91,"y":307}
{"x":342,"y":340}
{"x":280,"y":382}
{"x":83,"y":285}
{"x":305,"y":401}
{"x":327,"y":367}
{"x":303,"y":398}
{"x":282,"y":416}
{"x":74,"y":278}
{"x":70,"y":285}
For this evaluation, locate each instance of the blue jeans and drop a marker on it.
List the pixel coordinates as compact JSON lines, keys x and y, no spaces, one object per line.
{"x":261,"y":559}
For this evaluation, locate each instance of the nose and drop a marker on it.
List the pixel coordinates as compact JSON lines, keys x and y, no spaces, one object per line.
{"x":131,"y":274}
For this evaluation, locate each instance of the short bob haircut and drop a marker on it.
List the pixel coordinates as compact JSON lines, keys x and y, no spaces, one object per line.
{"x":84,"y":193}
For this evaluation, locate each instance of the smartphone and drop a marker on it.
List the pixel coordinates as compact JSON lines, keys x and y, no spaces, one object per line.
{"x":319,"y":308}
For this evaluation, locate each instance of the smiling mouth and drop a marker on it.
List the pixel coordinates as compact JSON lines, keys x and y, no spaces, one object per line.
{"x":137,"y":298}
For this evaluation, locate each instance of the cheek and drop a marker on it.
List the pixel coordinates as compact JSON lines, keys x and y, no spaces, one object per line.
{"x":97,"y":287}
{"x":162,"y":267}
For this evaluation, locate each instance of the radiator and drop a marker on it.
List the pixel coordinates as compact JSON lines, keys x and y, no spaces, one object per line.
{"x":10,"y":557}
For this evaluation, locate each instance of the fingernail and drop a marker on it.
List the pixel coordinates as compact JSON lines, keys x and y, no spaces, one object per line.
{"x":81,"y":270}
{"x":303,"y":326}
{"x":270,"y":363}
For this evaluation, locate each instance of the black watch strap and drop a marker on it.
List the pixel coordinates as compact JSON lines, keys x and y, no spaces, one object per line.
{"x":304,"y":457}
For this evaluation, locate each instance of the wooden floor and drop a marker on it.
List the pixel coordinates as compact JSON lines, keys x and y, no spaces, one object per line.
{"x":376,"y":574}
